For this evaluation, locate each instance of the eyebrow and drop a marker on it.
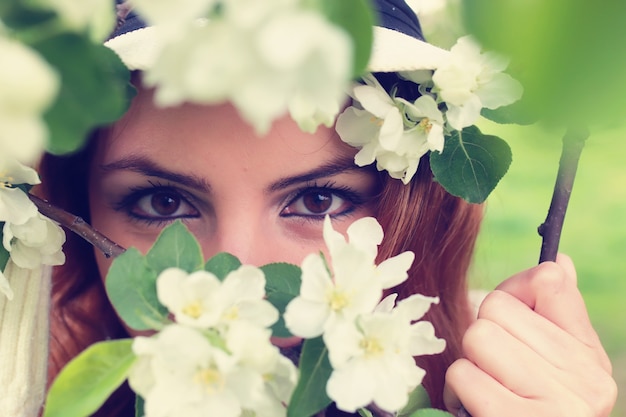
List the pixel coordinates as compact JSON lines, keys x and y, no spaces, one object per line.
{"x":148,"y":167}
{"x":337,"y":166}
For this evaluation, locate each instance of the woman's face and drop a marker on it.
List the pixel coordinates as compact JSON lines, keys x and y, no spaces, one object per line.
{"x":260,"y":199}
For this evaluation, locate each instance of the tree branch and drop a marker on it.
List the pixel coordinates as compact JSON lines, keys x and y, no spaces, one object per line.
{"x":77,"y":225}
{"x":379,"y":412}
{"x":550,"y":229}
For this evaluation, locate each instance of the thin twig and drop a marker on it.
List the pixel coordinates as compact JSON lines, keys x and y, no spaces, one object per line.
{"x":379,"y":412}
{"x":77,"y":225}
{"x":550,"y":229}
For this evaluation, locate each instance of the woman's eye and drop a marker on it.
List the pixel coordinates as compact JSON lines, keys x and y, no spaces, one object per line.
{"x":317,"y":203}
{"x":162,"y":204}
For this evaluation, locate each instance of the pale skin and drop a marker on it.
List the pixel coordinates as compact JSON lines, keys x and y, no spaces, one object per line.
{"x":532,"y":350}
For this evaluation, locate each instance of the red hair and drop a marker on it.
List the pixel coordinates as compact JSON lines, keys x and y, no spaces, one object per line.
{"x":439,"y":228}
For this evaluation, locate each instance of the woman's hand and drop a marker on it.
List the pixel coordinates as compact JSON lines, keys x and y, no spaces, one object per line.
{"x":532,"y":352}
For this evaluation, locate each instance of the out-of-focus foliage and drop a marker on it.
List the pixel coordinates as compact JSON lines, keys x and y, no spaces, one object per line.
{"x":569,"y":54}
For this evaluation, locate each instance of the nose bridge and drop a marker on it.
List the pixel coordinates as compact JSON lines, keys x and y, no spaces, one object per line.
{"x":241,"y":233}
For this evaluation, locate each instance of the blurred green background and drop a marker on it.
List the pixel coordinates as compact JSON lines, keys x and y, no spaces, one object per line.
{"x":594,"y":233}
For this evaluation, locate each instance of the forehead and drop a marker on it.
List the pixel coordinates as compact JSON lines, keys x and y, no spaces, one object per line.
{"x":201,"y":135}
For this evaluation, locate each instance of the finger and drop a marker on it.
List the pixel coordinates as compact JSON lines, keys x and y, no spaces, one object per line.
{"x":550,"y":290}
{"x":549,"y":341}
{"x":484,"y":396}
{"x":478,"y":392}
{"x":506,"y":359}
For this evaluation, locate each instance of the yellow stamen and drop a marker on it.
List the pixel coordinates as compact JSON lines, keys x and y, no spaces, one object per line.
{"x":338,"y":300}
{"x":210,"y":378}
{"x":231,"y":314}
{"x":425,"y":124}
{"x":193,"y":309}
{"x":371,"y":346}
{"x":375,"y":120}
{"x":6,"y":181}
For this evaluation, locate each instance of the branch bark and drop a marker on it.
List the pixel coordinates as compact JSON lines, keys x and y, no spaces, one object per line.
{"x":77,"y":225}
{"x":550,"y":229}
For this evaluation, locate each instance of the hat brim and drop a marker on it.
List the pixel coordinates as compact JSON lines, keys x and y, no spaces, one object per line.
{"x":392,"y":51}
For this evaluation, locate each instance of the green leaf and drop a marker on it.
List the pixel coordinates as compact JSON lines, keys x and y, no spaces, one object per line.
{"x":139,"y":405}
{"x":175,"y":247}
{"x":93,"y":91}
{"x":309,"y":397}
{"x":280,"y":300}
{"x":89,"y":379}
{"x":364,"y":412}
{"x":131,"y":287}
{"x":471,"y":164}
{"x":17,"y":15}
{"x":418,"y":399}
{"x":515,"y":113}
{"x":4,"y":254}
{"x":282,"y":284}
{"x":430,"y":412}
{"x":356,"y":18}
{"x":222,"y":264}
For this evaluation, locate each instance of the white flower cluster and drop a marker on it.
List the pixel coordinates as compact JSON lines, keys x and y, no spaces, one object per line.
{"x":217,"y":359}
{"x":371,"y":343}
{"x":96,"y":17}
{"x":27,"y":88}
{"x":265,"y":57}
{"x":30,"y":238}
{"x":28,"y":85}
{"x":396,"y":133}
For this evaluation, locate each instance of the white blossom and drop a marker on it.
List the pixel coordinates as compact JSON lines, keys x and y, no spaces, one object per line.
{"x":97,"y":17}
{"x":36,"y":242}
{"x":191,"y":298}
{"x":251,"y":346}
{"x":311,"y":58}
{"x":469,"y":81}
{"x":15,"y":206}
{"x":391,"y":131}
{"x":201,"y":300}
{"x":281,"y":58}
{"x":372,"y":358}
{"x":171,"y":17}
{"x":187,"y":69}
{"x":179,"y":372}
{"x":354,"y":287}
{"x":28,"y":85}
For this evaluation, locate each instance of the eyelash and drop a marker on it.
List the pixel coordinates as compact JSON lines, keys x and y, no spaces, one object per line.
{"x":349,"y":195}
{"x":129,"y":202}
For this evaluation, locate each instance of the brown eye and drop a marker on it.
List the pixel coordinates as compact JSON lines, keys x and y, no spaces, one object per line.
{"x":317,"y":202}
{"x":164,"y":203}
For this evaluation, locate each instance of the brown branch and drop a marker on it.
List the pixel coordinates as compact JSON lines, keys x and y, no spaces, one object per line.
{"x":550,"y":229}
{"x":77,"y":225}
{"x":379,"y":412}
